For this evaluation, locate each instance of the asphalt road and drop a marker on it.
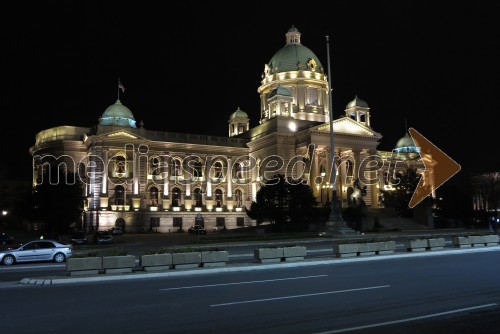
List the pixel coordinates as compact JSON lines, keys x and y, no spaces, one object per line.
{"x":454,"y":293}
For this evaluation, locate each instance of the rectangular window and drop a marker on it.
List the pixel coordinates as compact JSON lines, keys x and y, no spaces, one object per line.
{"x":240,"y":221}
{"x":312,"y":96}
{"x":220,"y":222}
{"x":154,"y":221}
{"x":178,"y":222}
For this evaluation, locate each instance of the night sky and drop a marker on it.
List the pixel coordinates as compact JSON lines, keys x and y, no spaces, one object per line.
{"x":187,"y":67}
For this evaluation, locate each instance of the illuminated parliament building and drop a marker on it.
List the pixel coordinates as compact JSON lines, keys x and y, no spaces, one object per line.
{"x":146,"y":180}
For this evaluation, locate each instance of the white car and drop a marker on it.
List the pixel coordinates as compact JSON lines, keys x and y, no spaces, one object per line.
{"x":115,"y":231}
{"x":37,"y":251}
{"x":103,"y":237}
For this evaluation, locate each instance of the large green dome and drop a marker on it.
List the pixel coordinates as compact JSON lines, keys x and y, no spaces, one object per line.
{"x":294,"y":56}
{"x":118,"y":114}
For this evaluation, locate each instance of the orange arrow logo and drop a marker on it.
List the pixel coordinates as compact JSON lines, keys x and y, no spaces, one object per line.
{"x":439,"y":168}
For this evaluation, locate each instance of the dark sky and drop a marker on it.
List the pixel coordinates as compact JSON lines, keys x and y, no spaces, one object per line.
{"x":187,"y":67}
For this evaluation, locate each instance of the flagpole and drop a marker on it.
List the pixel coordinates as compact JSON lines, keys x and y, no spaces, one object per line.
{"x":335,"y":226}
{"x":118,"y":89}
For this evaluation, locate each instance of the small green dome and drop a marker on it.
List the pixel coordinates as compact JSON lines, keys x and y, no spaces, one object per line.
{"x":118,"y":114}
{"x":238,"y":114}
{"x":357,"y":102}
{"x":406,"y":145}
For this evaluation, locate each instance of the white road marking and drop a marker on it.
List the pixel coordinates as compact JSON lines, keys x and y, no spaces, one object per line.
{"x":300,"y":296}
{"x":237,"y":283}
{"x":409,"y":319}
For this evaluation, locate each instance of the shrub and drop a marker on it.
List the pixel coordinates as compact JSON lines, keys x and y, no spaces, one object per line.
{"x":115,"y":252}
{"x":158,"y":251}
{"x":89,"y":254}
{"x":183,"y":250}
{"x":361,"y":241}
{"x":215,"y":249}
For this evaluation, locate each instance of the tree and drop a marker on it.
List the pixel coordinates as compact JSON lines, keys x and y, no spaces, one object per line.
{"x":15,"y":197}
{"x":282,"y":201}
{"x":452,"y":205}
{"x":58,"y":203}
{"x":399,"y":197}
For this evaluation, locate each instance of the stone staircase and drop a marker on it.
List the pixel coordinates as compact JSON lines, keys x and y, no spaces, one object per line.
{"x":390,"y":222}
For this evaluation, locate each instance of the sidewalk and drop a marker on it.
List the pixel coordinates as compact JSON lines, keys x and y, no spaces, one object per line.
{"x":252,"y":264}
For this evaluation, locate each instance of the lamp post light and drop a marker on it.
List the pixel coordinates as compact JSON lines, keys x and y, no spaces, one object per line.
{"x":335,"y":225}
{"x":4,"y":215}
{"x":326,"y":186}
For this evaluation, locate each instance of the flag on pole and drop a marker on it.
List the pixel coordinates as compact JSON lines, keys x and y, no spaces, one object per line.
{"x":120,"y":85}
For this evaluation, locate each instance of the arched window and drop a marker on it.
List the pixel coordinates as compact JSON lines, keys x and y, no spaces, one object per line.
{"x":176,"y":168}
{"x":119,"y":195}
{"x":238,"y":197}
{"x":218,"y":170}
{"x":218,"y":198}
{"x":120,"y":166}
{"x":198,"y":169}
{"x":176,"y":197}
{"x":154,"y":166}
{"x":153,"y":196}
{"x":120,"y":222}
{"x":198,"y":197}
{"x":238,"y":171}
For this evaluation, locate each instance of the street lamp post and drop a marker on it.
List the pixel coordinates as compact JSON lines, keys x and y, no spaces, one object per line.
{"x":335,"y":226}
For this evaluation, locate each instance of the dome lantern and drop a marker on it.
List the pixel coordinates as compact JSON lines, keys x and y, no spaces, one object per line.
{"x":238,"y":122}
{"x":358,"y":110}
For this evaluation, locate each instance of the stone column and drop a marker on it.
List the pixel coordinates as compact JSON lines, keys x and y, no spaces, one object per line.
{"x":357,"y":161}
{"x":229,"y":178}
{"x":104,"y":201}
{"x":377,"y":174}
{"x":188,"y":199}
{"x":104,"y":188}
{"x":136,"y":199}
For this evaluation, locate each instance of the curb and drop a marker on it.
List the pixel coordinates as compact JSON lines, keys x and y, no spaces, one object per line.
{"x":248,"y":267}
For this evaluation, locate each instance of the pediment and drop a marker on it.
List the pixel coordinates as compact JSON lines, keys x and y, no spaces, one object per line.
{"x":348,"y":126}
{"x":116,"y":135}
{"x":122,"y":134}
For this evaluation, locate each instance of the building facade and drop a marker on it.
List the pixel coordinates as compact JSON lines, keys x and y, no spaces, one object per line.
{"x":144,"y":180}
